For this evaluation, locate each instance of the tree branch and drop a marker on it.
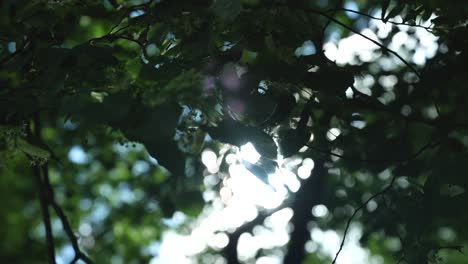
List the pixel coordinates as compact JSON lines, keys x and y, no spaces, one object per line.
{"x":309,"y":195}
{"x":409,"y":158}
{"x":389,"y":186}
{"x":231,"y":248}
{"x":47,"y":198}
{"x":429,"y":29}
{"x":42,"y":195}
{"x":333,"y":12}
{"x":366,"y":37}
{"x":457,"y":248}
{"x":10,"y":56}
{"x":63,"y":218}
{"x":45,"y":213}
{"x":331,"y":18}
{"x":367,"y":102}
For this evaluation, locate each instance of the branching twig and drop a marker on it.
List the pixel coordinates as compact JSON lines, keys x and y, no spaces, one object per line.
{"x":231,"y":248}
{"x":63,"y":218}
{"x":384,"y":48}
{"x":366,"y":37}
{"x":114,"y":37}
{"x":47,"y":198}
{"x":42,"y":197}
{"x":429,"y":29}
{"x":401,"y":259}
{"x":10,"y":56}
{"x":371,"y":103}
{"x":457,"y":248}
{"x":45,"y":213}
{"x":389,"y":186}
{"x":333,"y":12}
{"x":409,"y":158}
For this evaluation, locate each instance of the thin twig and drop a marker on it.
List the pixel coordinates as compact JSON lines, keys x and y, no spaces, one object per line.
{"x":371,"y":103}
{"x":403,"y":254}
{"x":114,"y":37}
{"x":457,"y":248}
{"x":389,"y":186}
{"x":331,"y":18}
{"x":14,"y":54}
{"x":45,"y":213}
{"x":366,"y":37}
{"x":63,"y":218}
{"x":409,"y":158}
{"x":401,"y":259}
{"x":118,"y":24}
{"x":336,"y":9}
{"x":48,"y":197}
{"x":429,"y":29}
{"x":42,"y":196}
{"x":231,"y":248}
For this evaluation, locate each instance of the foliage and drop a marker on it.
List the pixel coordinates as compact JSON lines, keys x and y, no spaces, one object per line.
{"x":97,"y":78}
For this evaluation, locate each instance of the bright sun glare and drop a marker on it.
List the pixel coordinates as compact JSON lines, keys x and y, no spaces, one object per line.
{"x":242,"y":194}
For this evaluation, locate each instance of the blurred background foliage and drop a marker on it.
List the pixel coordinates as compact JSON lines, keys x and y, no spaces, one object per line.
{"x":119,"y":121}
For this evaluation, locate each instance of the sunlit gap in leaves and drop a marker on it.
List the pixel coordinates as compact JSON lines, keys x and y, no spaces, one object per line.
{"x":223,"y":217}
{"x":241,"y":196}
{"x":242,"y":189}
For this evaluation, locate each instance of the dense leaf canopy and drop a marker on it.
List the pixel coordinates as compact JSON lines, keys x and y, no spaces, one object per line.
{"x":108,"y":108}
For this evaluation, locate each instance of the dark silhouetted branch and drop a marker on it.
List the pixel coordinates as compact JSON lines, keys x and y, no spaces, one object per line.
{"x":384,"y":48}
{"x":389,"y":186}
{"x":42,"y":195}
{"x":45,"y":213}
{"x":10,"y":56}
{"x":231,"y":248}
{"x":333,"y":12}
{"x":365,"y":101}
{"x":309,"y":195}
{"x":63,"y":218}
{"x":47,"y":198}
{"x":457,"y":248}
{"x":366,"y":37}
{"x":409,"y":158}
{"x":429,"y":29}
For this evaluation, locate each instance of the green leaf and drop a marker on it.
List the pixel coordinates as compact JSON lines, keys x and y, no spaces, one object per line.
{"x":261,"y":170}
{"x":394,"y":12}
{"x":32,"y":150}
{"x":248,"y":57}
{"x":88,"y":55}
{"x":190,"y":202}
{"x":426,"y":15}
{"x":227,"y":10}
{"x":384,"y":9}
{"x":238,"y":134}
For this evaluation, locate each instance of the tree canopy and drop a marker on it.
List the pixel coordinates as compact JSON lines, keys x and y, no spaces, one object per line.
{"x":123,"y":120}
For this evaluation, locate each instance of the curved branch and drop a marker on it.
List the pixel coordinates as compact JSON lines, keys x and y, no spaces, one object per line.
{"x":47,"y":198}
{"x":309,"y":195}
{"x":336,"y":21}
{"x":333,"y":12}
{"x":457,"y":248}
{"x":231,"y":248}
{"x":45,"y":214}
{"x":10,"y":56}
{"x":409,"y":158}
{"x":389,"y":186}
{"x":42,"y":197}
{"x":63,"y":218}
{"x":429,"y":29}
{"x":366,"y":37}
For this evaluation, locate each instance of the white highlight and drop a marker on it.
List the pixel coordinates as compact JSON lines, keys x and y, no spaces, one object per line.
{"x":249,"y":153}
{"x":209,"y":159}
